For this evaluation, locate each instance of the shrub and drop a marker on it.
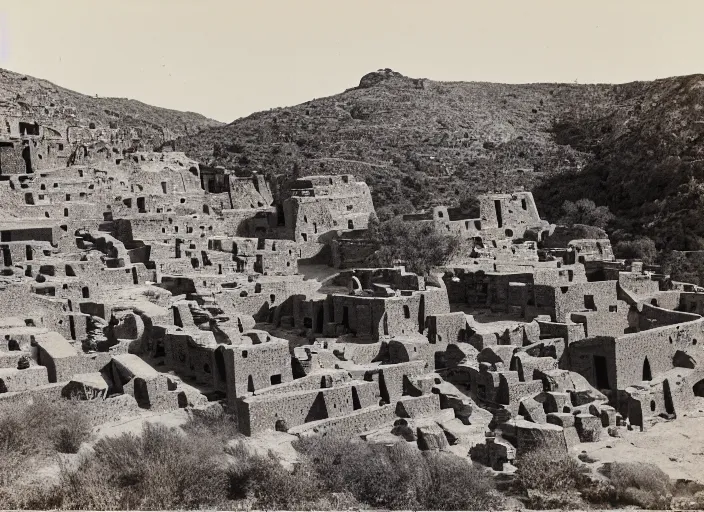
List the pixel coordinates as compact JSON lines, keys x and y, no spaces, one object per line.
{"x":642,"y":248}
{"x":373,"y":474}
{"x":159,"y":469}
{"x":268,"y":485}
{"x":69,"y":434}
{"x":214,"y":424}
{"x":417,"y":246}
{"x":585,"y":211}
{"x":550,"y":478}
{"x":458,"y":485}
{"x":641,"y":484}
{"x":32,"y":433}
{"x":398,"y":476}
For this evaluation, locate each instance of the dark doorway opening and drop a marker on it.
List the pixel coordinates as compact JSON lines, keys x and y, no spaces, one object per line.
{"x":647,"y":373}
{"x":220,"y":363}
{"x":499,"y":219}
{"x":319,"y":320}
{"x":355,"y":399}
{"x":601,"y":373}
{"x":27,"y":157}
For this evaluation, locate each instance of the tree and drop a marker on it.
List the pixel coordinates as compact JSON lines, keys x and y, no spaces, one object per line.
{"x":642,"y":248}
{"x":585,"y":211}
{"x":418,"y":246}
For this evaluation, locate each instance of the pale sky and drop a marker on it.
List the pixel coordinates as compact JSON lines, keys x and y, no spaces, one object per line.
{"x":229,"y":58}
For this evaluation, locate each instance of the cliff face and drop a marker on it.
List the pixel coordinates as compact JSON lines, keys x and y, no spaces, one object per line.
{"x":32,"y":100}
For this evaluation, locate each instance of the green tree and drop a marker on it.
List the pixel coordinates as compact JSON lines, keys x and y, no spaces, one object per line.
{"x":585,"y":211}
{"x":642,"y":248}
{"x":418,"y":246}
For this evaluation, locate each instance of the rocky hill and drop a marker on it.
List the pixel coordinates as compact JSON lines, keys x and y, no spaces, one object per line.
{"x":36,"y":100}
{"x":417,"y":142}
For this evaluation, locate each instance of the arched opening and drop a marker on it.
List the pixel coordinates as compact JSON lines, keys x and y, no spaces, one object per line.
{"x":220,"y":363}
{"x":85,"y":292}
{"x":698,"y":388}
{"x":406,"y":312}
{"x":647,"y":374}
{"x":250,"y":384}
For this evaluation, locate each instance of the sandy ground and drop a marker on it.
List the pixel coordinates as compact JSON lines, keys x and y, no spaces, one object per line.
{"x":486,"y":321}
{"x":676,"y":447}
{"x":134,"y":425}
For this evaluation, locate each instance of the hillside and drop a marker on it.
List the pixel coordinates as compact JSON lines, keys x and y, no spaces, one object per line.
{"x":418,"y":142}
{"x":37,"y":100}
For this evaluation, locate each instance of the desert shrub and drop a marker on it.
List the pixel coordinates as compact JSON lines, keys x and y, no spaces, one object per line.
{"x":159,"y":469}
{"x":375,"y":475}
{"x":398,"y":476}
{"x":417,"y":246}
{"x":214,"y":424}
{"x":458,"y":485}
{"x":71,"y":432}
{"x":469,"y":204}
{"x":29,"y":434}
{"x":268,"y":485}
{"x":550,"y":478}
{"x":641,"y":484}
{"x":585,"y":211}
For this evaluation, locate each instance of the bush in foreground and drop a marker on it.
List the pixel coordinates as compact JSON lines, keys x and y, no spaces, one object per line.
{"x":550,"y":478}
{"x":32,"y":433}
{"x":640,"y":484}
{"x":399,"y":476}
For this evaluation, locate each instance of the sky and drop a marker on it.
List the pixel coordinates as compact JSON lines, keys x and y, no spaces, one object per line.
{"x":229,"y":58}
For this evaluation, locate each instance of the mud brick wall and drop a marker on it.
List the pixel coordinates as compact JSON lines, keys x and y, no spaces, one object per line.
{"x":658,"y":346}
{"x":650,"y":317}
{"x":253,"y":367}
{"x":351,"y":424}
{"x":261,"y":412}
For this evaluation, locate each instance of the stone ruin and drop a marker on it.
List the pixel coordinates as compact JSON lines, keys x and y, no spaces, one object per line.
{"x":139,"y":280}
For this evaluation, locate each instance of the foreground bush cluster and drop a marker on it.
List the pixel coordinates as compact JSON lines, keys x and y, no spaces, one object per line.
{"x":208,"y":465}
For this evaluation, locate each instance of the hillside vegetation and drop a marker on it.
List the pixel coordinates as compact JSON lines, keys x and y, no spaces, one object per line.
{"x":33,"y":99}
{"x":634,"y":148}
